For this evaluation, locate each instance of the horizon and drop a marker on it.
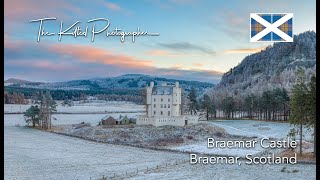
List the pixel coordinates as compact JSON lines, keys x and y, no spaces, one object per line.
{"x":217,"y":40}
{"x":10,"y":78}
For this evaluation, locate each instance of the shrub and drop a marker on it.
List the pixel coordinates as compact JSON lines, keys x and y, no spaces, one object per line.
{"x":218,"y":134}
{"x":189,"y":137}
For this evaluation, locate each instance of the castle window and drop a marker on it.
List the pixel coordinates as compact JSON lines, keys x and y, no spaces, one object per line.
{"x":168,"y":105}
{"x":161,"y":99}
{"x":154,"y":112}
{"x":154,"y":105}
{"x":161,"y":113}
{"x":168,"y":113}
{"x":168,"y":99}
{"x":165,"y":106}
{"x":161,"y":105}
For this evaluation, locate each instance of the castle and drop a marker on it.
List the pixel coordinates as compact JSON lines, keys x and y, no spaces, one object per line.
{"x":163,"y":106}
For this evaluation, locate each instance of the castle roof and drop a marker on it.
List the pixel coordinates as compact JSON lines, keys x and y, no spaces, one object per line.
{"x":162,"y":90}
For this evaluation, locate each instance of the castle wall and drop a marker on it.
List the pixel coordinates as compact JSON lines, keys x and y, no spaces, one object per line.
{"x":165,"y":109}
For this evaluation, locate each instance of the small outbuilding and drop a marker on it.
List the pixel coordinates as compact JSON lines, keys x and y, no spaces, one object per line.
{"x":125,"y":120}
{"x":108,"y":120}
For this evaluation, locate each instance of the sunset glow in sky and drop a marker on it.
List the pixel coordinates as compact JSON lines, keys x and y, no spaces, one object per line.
{"x":199,"y":40}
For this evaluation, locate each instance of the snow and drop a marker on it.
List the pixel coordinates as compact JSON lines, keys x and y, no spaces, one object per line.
{"x":226,"y":172}
{"x":27,"y":150}
{"x":259,"y":128}
{"x":35,"y":154}
{"x":89,"y":107}
{"x":90,"y":112}
{"x":93,"y":119}
{"x":203,"y":149}
{"x":250,"y":128}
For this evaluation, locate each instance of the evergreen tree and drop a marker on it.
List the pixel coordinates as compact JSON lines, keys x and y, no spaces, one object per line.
{"x":298,"y":104}
{"x":312,"y":108}
{"x":228,"y":106}
{"x":193,"y":103}
{"x":32,"y":115}
{"x":47,"y":106}
{"x":206,"y":105}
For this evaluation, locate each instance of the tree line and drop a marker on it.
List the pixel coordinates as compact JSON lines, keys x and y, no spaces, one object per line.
{"x":298,"y":107}
{"x":17,"y":95}
{"x":14,"y":98}
{"x":270,"y":105}
{"x":40,"y":114}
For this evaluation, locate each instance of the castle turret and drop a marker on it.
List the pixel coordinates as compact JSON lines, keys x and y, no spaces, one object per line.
{"x":149,"y":99}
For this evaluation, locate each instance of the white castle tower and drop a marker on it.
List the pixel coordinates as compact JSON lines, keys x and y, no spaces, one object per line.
{"x":163,"y":104}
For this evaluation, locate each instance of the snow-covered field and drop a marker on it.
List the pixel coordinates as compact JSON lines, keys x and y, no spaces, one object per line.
{"x":90,"y":107}
{"x":79,"y":112}
{"x":259,"y":128}
{"x":93,"y":119}
{"x":250,"y":128}
{"x":34,"y":154}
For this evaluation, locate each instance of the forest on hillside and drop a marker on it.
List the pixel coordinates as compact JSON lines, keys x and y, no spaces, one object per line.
{"x":260,"y":87}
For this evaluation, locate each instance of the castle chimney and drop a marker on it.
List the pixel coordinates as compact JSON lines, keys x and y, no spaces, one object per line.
{"x":151,"y":84}
{"x":163,"y":84}
{"x":177,"y":84}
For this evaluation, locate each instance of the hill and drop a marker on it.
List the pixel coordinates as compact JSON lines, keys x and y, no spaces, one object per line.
{"x":127,"y":87}
{"x":127,"y":81}
{"x":16,"y":81}
{"x":273,"y":67}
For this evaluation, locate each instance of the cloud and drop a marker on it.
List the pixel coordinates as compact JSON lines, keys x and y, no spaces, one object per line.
{"x":211,"y":76}
{"x":183,"y":2}
{"x":40,"y":64}
{"x":117,"y":8}
{"x":185,"y":47}
{"x":171,"y":4}
{"x":164,"y":53}
{"x":92,"y":54}
{"x":198,"y":64}
{"x":235,"y":25}
{"x":61,"y":62}
{"x":244,"y":50}
{"x":17,"y":10}
{"x":112,"y":6}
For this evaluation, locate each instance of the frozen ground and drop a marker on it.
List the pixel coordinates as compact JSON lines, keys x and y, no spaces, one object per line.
{"x":230,"y":172}
{"x":259,"y":128}
{"x":90,"y":107}
{"x":250,"y":128}
{"x":90,"y":112}
{"x":34,"y":154}
{"x":14,"y":119}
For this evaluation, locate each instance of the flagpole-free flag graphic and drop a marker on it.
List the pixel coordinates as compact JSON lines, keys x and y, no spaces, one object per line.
{"x":271,"y":27}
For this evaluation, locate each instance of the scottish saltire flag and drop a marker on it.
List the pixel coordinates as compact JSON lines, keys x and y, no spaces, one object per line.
{"x":271,"y":27}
